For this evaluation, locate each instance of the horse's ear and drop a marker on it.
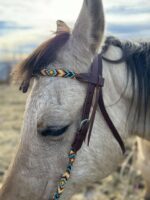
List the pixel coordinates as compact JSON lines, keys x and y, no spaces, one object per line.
{"x":89,"y":28}
{"x":62,"y":27}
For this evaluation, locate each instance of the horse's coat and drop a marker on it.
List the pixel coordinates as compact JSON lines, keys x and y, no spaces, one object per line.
{"x":57,"y":102}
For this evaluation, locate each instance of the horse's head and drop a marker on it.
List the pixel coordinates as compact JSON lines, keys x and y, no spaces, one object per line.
{"x":53,"y":110}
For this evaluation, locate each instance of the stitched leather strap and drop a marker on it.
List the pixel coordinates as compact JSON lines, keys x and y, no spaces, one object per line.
{"x":105,"y":113}
{"x":95,"y":83}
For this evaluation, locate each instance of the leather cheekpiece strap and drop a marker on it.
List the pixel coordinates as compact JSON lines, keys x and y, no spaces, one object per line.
{"x":106,"y":115}
{"x":95,"y":82}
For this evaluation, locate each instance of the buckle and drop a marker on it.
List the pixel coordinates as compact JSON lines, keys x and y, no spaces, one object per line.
{"x":83,"y":123}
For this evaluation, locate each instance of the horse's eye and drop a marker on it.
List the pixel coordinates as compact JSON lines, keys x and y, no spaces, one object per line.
{"x":53,"y":131}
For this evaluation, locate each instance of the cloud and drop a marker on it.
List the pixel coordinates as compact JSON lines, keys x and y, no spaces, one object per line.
{"x":129,"y":31}
{"x":128,"y":18}
{"x":6,"y":27}
{"x":24,"y":12}
{"x":134,"y":4}
{"x":23,"y":24}
{"x":39,"y":13}
{"x":128,"y":10}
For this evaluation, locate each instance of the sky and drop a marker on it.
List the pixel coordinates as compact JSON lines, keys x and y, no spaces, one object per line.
{"x":24,"y":24}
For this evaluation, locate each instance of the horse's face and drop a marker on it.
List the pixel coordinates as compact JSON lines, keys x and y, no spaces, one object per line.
{"x":52,"y":118}
{"x":53,"y":115}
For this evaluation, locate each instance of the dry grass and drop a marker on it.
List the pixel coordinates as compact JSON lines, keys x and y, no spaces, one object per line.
{"x":12,"y":102}
{"x":11,"y":115}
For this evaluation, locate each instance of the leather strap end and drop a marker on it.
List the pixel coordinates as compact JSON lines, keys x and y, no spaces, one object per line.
{"x":88,"y":78}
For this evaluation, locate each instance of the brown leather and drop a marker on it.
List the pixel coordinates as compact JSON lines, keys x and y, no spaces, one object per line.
{"x":89,"y":78}
{"x":93,"y":114}
{"x":106,"y":115}
{"x":93,"y":80}
{"x":95,"y":83}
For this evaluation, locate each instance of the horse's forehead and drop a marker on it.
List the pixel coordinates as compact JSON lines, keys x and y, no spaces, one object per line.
{"x":58,"y":94}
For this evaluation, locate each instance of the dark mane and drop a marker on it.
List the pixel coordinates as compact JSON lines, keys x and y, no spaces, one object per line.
{"x":45,"y":54}
{"x":137,"y":57}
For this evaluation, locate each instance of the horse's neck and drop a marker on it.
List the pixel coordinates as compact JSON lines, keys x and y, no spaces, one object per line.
{"x":117,"y":99}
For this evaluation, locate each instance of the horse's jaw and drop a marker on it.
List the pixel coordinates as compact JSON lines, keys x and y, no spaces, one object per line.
{"x":19,"y":185}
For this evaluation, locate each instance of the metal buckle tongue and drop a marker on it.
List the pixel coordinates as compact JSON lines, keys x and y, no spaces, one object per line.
{"x":83,"y":123}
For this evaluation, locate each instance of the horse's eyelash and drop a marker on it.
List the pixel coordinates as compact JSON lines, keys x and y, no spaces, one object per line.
{"x":54,"y":131}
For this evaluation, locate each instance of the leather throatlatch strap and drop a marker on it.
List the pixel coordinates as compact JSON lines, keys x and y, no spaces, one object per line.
{"x":105,"y":113}
{"x":94,"y":97}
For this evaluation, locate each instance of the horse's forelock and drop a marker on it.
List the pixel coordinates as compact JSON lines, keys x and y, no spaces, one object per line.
{"x":45,"y":54}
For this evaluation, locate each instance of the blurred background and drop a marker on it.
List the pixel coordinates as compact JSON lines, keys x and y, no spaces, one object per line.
{"x":23,"y":26}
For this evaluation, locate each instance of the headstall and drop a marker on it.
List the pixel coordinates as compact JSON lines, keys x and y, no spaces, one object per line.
{"x":94,"y":98}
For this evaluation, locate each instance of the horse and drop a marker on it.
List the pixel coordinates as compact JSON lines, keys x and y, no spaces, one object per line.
{"x":54,"y":108}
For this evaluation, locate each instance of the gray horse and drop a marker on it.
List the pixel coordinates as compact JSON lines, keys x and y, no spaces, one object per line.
{"x":55,"y":104}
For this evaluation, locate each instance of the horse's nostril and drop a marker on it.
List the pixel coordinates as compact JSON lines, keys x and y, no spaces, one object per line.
{"x":53,"y":131}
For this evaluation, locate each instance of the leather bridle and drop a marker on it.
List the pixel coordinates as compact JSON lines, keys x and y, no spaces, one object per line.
{"x":93,"y":100}
{"x":95,"y":82}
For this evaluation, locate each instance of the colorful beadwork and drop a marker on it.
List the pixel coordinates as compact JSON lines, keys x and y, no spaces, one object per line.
{"x":58,"y":73}
{"x":65,"y":177}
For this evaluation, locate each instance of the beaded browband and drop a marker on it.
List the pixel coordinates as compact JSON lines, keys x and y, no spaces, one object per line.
{"x":94,"y":97}
{"x":58,"y":73}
